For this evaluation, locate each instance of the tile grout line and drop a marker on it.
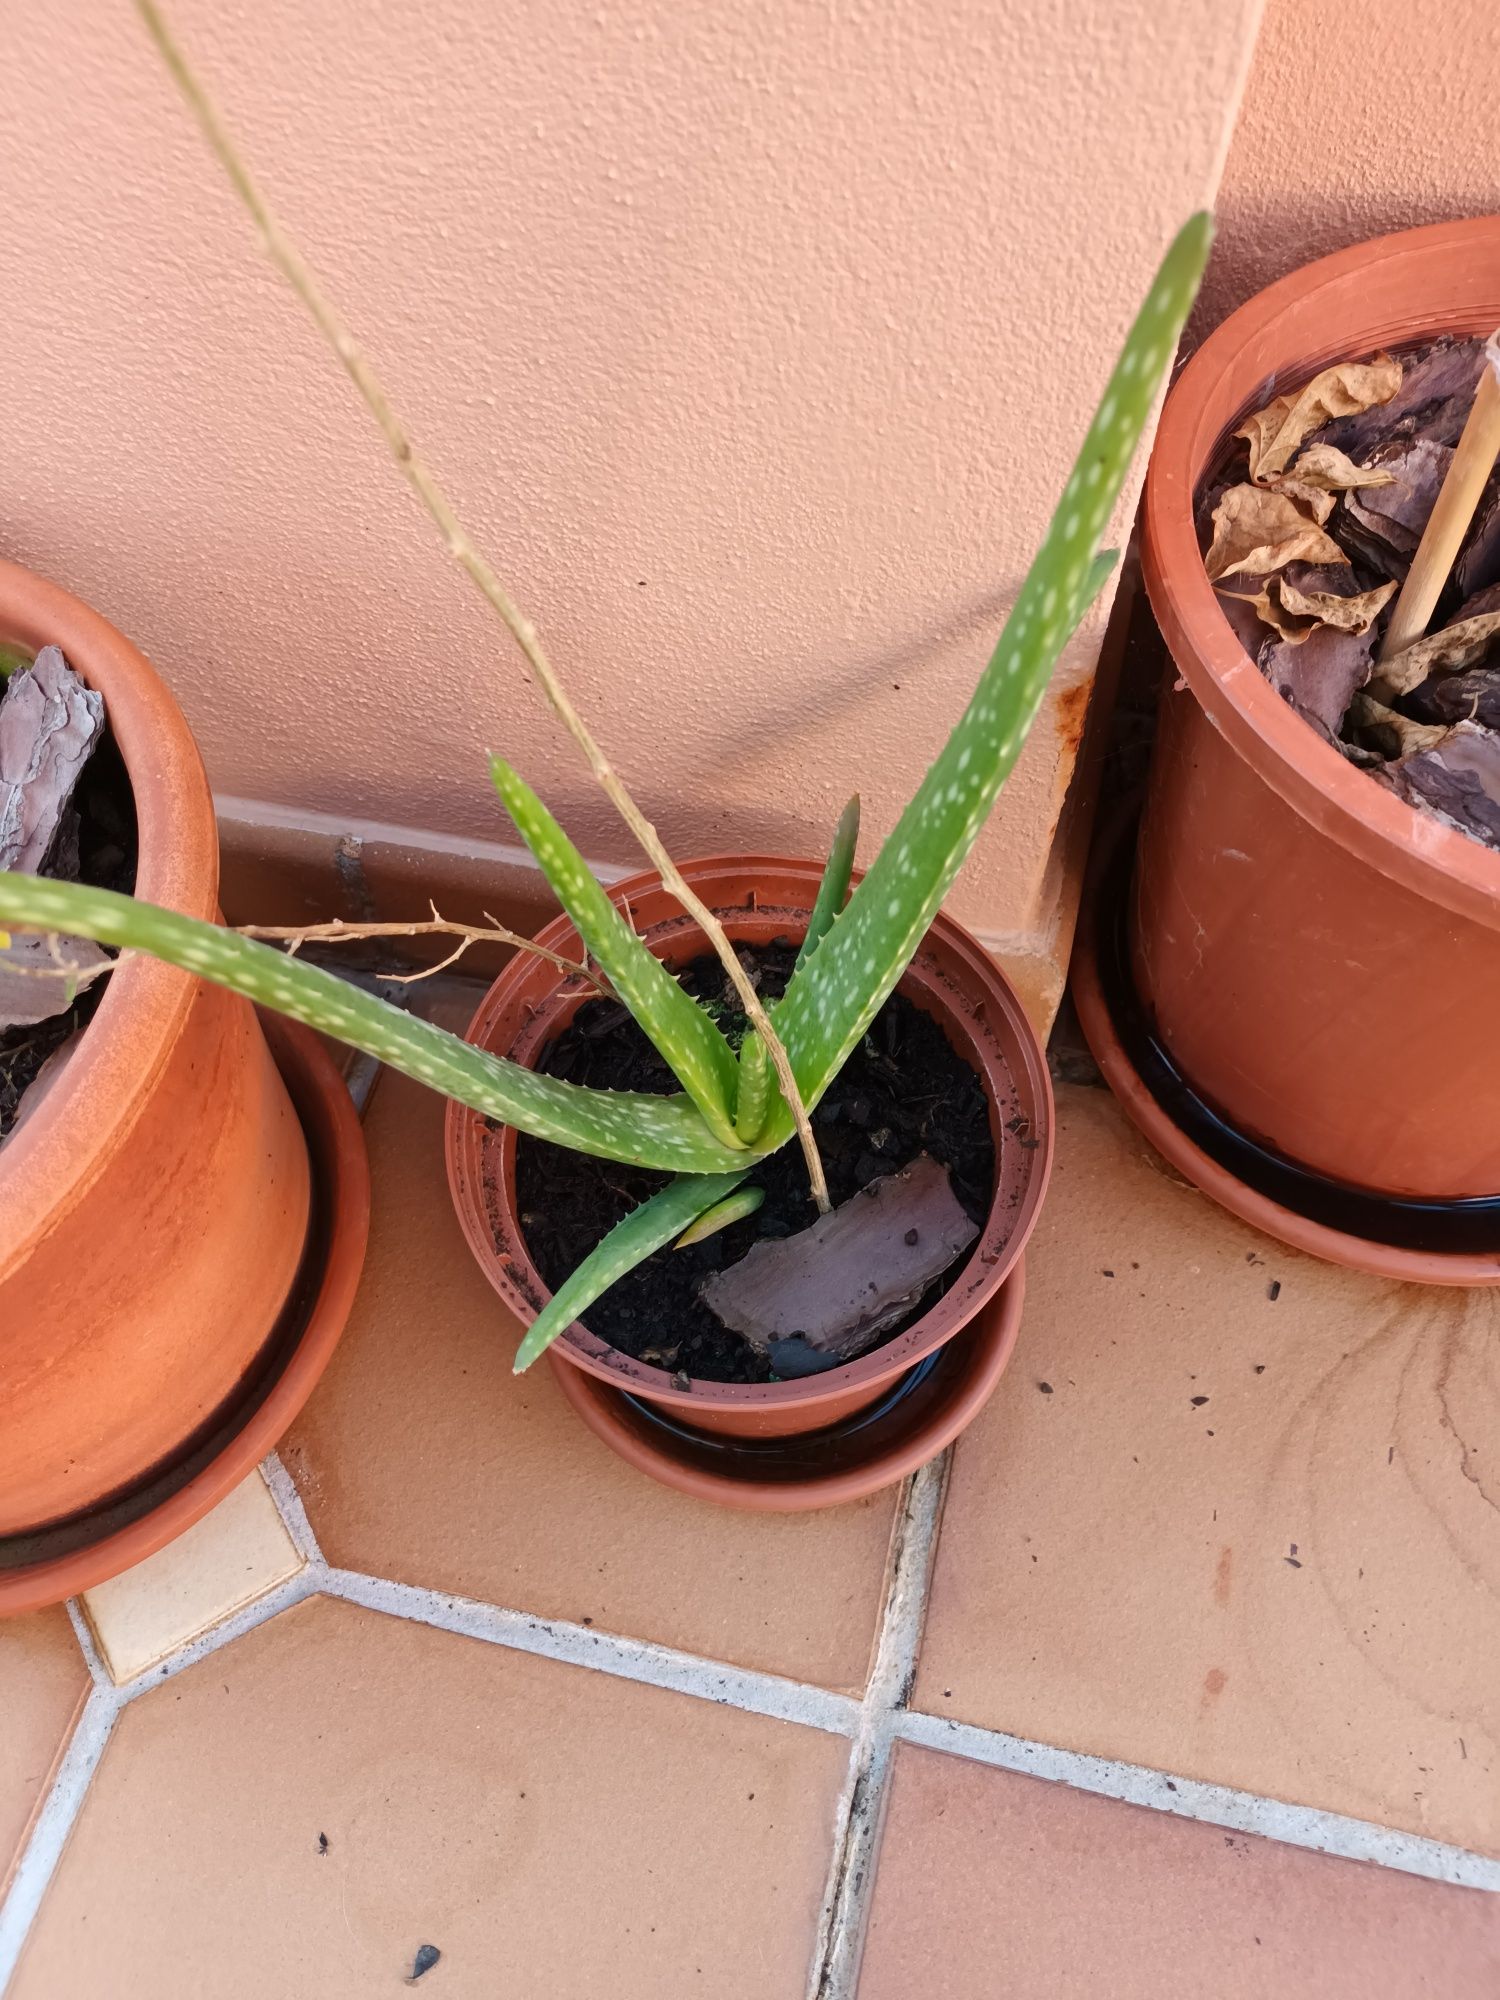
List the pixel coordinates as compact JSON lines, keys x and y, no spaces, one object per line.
{"x":290,"y":1506}
{"x":875,"y":1724}
{"x":860,"y":1814}
{"x":53,"y":1825}
{"x":642,"y":1660}
{"x":1312,"y":1827}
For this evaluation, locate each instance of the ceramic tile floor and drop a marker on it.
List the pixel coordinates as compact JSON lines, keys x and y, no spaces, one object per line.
{"x":449,"y":1677}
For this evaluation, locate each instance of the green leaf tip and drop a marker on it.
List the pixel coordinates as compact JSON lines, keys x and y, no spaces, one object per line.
{"x":837,"y":991}
{"x":646,"y":1229}
{"x":693,"y":1047}
{"x":733,"y":1208}
{"x":834,"y":887}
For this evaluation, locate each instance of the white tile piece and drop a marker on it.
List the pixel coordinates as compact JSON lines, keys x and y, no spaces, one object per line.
{"x":231,"y":1557}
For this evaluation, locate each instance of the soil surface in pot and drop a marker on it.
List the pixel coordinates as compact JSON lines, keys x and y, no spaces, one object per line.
{"x":1309,"y":526}
{"x":101,"y":821}
{"x":904,"y":1091}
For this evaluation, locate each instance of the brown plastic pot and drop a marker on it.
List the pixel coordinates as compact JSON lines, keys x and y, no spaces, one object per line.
{"x":154,"y":1209}
{"x":759,"y":899}
{"x":824,"y":1468}
{"x":1321,"y":962}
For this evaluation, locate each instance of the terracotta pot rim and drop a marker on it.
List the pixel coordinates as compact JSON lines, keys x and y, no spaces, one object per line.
{"x":994,"y":1330}
{"x":336,"y":1145}
{"x":1272,"y":1218}
{"x":51,"y":1161}
{"x":869,"y":1371}
{"x":1436,"y":861}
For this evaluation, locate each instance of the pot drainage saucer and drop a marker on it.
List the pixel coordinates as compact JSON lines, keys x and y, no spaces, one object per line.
{"x":911,"y":1423}
{"x":1422,"y":1242}
{"x":49,"y":1564}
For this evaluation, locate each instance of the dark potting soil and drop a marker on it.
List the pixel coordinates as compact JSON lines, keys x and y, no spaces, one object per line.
{"x":904,"y":1091}
{"x":103,"y":817}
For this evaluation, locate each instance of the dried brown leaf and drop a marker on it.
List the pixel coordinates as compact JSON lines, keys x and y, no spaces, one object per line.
{"x":1396,"y":735}
{"x":1325,"y":607}
{"x":1318,"y":502}
{"x":1451,"y":651}
{"x":1348,"y":387}
{"x":1435,"y":397}
{"x":1257,"y":531}
{"x":1325,"y":467}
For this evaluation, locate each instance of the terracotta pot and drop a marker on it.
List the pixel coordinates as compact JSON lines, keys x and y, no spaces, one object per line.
{"x":1321,"y":963}
{"x":45,"y":1568}
{"x":153,"y":1210}
{"x":759,"y":899}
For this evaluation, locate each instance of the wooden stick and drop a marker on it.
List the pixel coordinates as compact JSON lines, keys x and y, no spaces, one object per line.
{"x":1473,"y":462}
{"x":285,"y":254}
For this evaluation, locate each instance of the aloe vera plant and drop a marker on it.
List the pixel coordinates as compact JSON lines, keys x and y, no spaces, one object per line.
{"x":731,"y":1112}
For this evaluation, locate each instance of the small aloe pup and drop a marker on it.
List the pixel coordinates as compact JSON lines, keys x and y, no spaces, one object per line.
{"x":734,"y":1106}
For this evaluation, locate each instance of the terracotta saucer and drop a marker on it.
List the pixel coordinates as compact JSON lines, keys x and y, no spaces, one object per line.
{"x":56,"y":1562}
{"x":1425,"y":1243}
{"x":918,"y":1415}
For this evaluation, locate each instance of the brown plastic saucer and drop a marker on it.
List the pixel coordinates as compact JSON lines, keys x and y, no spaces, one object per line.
{"x":870,"y":1449}
{"x":58,"y":1561}
{"x":1426,"y":1243}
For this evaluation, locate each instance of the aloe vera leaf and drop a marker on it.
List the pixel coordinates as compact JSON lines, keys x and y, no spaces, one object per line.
{"x":834,"y":887}
{"x":733,"y":1208}
{"x":660,"y":1132}
{"x":657,"y":1221}
{"x":832,"y":999}
{"x":693,"y":1047}
{"x":754,"y":1099}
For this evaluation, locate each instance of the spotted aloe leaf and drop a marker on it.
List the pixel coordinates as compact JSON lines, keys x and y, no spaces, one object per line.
{"x":834,"y":887}
{"x":694,"y":1049}
{"x":657,"y":1221}
{"x":660,"y":1132}
{"x":835,"y":994}
{"x":753,"y":1103}
{"x":733,"y":1208}
{"x":754,"y":1100}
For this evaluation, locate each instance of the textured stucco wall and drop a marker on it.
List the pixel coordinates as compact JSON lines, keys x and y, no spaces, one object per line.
{"x":1359,"y":116}
{"x":754,"y":343}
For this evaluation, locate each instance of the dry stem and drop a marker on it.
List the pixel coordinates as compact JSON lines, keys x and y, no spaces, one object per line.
{"x":491,"y":932}
{"x":289,"y":259}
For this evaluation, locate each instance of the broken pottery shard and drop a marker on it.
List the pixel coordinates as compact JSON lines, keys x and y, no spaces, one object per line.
{"x":827,"y":1294}
{"x":1478,"y":565}
{"x":42,"y":976}
{"x":1457,"y":781}
{"x":1468,"y":697}
{"x":1319,"y":676}
{"x":49,"y":723}
{"x":1477,"y":606}
{"x":1434,"y":400}
{"x":1388,"y":520}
